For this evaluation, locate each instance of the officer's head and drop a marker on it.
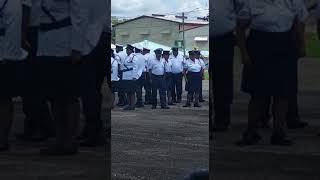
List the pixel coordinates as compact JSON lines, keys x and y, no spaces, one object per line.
{"x":158,"y":53}
{"x":138,"y":48}
{"x":119,"y":48}
{"x":166,"y":54}
{"x":129,"y":49}
{"x":175,"y":51}
{"x":145,"y":51}
{"x":197,"y":54}
{"x":192,"y":55}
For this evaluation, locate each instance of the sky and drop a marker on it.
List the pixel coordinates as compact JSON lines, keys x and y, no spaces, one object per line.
{"x":133,"y":8}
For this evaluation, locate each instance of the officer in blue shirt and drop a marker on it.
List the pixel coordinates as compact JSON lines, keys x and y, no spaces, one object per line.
{"x":221,"y":62}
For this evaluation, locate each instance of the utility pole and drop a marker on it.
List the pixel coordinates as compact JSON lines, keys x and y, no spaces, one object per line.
{"x":184,"y":49}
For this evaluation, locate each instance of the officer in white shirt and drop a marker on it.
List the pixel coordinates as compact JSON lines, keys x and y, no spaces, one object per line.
{"x":268,"y":51}
{"x":221,"y":71}
{"x":198,"y":56}
{"x":293,"y":119}
{"x":120,"y":56}
{"x":130,"y":77}
{"x":70,"y":34}
{"x":38,"y":124}
{"x":194,"y":70}
{"x":169,"y":76}
{"x":146,"y":76}
{"x":114,"y":75}
{"x":157,"y":69}
{"x":12,"y":64}
{"x":141,"y":68}
{"x":177,"y":73}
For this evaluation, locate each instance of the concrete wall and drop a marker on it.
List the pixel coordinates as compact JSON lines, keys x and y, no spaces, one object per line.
{"x":153,"y":26}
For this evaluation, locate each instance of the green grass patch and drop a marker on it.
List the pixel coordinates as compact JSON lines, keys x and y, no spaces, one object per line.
{"x":206,"y":75}
{"x":312,"y":45}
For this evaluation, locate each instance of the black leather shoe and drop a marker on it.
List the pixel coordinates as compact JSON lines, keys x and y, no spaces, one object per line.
{"x":165,"y":107}
{"x":139,"y":105}
{"x":202,"y":100}
{"x":297,"y":125}
{"x":196,"y":105}
{"x":171,"y":104}
{"x":187,"y":105}
{"x":128,"y":109}
{"x":59,"y":151}
{"x":93,"y":142}
{"x":249,"y":138}
{"x":280,"y":141}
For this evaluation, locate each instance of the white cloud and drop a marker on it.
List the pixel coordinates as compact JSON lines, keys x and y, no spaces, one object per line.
{"x":131,"y":8}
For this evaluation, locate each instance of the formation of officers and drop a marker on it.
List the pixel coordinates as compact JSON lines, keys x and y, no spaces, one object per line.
{"x":161,"y":71}
{"x":53,"y":54}
{"x":270,"y":36}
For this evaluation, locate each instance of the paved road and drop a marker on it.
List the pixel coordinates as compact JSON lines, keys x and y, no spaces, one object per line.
{"x":160,"y":144}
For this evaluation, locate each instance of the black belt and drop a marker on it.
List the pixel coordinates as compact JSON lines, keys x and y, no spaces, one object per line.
{"x":129,"y":69}
{"x":158,"y":75}
{"x":45,"y":27}
{"x":2,"y":32}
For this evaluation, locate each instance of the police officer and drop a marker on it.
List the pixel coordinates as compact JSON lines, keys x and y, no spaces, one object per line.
{"x":221,"y":63}
{"x":12,"y":64}
{"x":177,"y":74}
{"x":157,"y":70}
{"x":141,"y":67}
{"x":114,"y":76}
{"x":120,"y":56}
{"x":268,"y":52}
{"x":168,"y":69}
{"x":95,"y":66}
{"x":198,"y":56}
{"x":194,"y":70}
{"x":130,"y":77}
{"x":146,"y":76}
{"x":68,"y":40}
{"x":38,"y":123}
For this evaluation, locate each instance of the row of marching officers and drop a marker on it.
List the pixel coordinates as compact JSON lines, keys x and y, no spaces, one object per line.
{"x":160,"y":72}
{"x":53,"y":52}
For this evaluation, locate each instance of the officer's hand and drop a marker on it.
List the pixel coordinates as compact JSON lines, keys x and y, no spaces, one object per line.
{"x":245,"y":59}
{"x":76,"y":57}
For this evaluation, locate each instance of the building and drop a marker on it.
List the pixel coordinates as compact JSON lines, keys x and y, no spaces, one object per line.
{"x":197,"y":37}
{"x":166,"y":30}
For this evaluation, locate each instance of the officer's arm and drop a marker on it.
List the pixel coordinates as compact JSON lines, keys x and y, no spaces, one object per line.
{"x":241,"y":28}
{"x":26,"y":11}
{"x":80,"y":22}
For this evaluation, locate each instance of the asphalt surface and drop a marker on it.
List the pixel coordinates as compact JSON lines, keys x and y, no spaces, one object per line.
{"x":169,"y":144}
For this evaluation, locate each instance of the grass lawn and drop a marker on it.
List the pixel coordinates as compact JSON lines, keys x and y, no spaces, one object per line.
{"x":312,"y":45}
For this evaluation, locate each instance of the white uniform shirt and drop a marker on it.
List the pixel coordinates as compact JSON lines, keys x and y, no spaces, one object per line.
{"x":147,"y":59}
{"x":224,"y":14}
{"x":131,"y":62}
{"x":114,"y":70}
{"x":269,"y":16}
{"x":203,"y":64}
{"x":177,"y":63}
{"x":10,"y":21}
{"x":193,"y":66}
{"x":157,"y":66}
{"x":120,"y":57}
{"x":88,"y":21}
{"x":141,"y":64}
{"x":168,"y":66}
